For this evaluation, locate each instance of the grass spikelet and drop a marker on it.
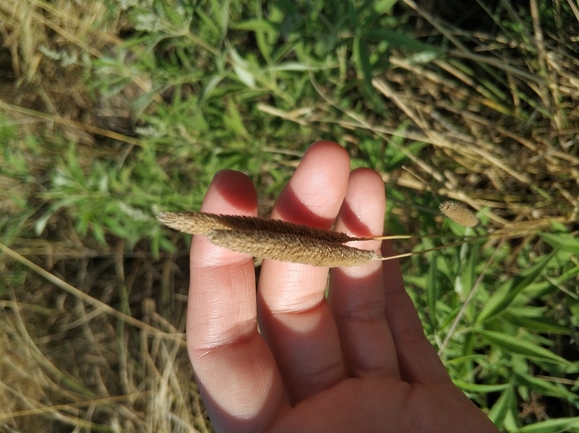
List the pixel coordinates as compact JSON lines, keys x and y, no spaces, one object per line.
{"x":459,"y":213}
{"x":280,"y":240}
{"x":194,"y":223}
{"x":291,"y":248}
{"x":200,"y":223}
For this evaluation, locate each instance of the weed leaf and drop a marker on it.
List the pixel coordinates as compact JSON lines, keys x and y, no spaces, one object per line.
{"x":539,"y":324}
{"x":543,"y":387}
{"x":552,"y":426}
{"x":506,"y":403}
{"x":517,"y":346}
{"x":431,"y":290}
{"x":563,"y":241}
{"x":480,"y":388}
{"x":503,"y":297}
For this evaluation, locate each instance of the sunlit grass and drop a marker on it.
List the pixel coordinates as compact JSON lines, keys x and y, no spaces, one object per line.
{"x":116,"y":111}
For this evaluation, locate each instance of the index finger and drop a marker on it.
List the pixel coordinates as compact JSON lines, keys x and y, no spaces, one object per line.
{"x":235,"y":369}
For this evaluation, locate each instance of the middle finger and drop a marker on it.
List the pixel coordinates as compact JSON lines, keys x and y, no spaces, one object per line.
{"x":293,"y":314}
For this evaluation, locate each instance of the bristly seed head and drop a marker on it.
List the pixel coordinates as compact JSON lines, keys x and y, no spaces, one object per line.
{"x":271,"y":238}
{"x":199,"y":223}
{"x":459,"y":213}
{"x":291,"y":248}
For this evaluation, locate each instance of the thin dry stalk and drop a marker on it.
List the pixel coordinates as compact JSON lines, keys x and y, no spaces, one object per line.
{"x":468,"y":299}
{"x":86,"y":298}
{"x":34,"y":114}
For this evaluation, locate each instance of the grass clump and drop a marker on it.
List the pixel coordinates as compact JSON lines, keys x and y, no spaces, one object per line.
{"x":115,"y":111}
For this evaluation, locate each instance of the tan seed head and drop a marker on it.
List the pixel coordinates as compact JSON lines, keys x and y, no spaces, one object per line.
{"x":459,"y":213}
{"x":199,"y":223}
{"x":291,"y":248}
{"x":272,"y":239}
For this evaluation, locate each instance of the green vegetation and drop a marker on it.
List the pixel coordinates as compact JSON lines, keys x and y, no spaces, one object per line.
{"x":113,"y":110}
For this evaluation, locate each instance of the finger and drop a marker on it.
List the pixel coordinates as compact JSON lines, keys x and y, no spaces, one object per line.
{"x":357,"y":293}
{"x":294,"y":317}
{"x":235,"y":370}
{"x":417,"y":359}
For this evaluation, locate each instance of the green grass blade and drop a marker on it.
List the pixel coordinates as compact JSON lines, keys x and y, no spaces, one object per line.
{"x":553,"y":426}
{"x":505,"y":295}
{"x":480,"y":388}
{"x":544,"y":387}
{"x":506,"y":403}
{"x":564,"y":241}
{"x":539,"y":324}
{"x":258,"y":25}
{"x":431,"y":291}
{"x":362,"y":59}
{"x":515,"y":345}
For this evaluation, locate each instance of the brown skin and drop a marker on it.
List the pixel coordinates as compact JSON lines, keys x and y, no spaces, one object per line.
{"x":358,"y":361}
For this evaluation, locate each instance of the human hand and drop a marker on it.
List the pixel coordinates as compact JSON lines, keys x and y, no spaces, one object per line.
{"x":358,"y":361}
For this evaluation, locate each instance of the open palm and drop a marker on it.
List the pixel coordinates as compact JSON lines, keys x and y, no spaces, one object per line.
{"x":356,"y":361}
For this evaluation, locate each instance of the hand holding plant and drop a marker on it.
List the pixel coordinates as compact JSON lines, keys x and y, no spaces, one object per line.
{"x":356,"y":361}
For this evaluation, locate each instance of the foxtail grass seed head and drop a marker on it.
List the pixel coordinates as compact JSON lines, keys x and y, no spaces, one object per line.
{"x":199,"y":223}
{"x":291,"y":248}
{"x":459,"y":213}
{"x":194,"y":223}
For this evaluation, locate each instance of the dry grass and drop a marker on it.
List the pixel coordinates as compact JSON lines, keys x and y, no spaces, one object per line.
{"x":513,"y":151}
{"x":45,"y":85}
{"x":66,"y":364}
{"x":35,"y":31}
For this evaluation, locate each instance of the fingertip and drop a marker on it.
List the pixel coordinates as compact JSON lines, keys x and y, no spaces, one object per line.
{"x":323,"y":146}
{"x":230,"y":192}
{"x":362,"y":213}
{"x":315,"y":192}
{"x":357,"y":293}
